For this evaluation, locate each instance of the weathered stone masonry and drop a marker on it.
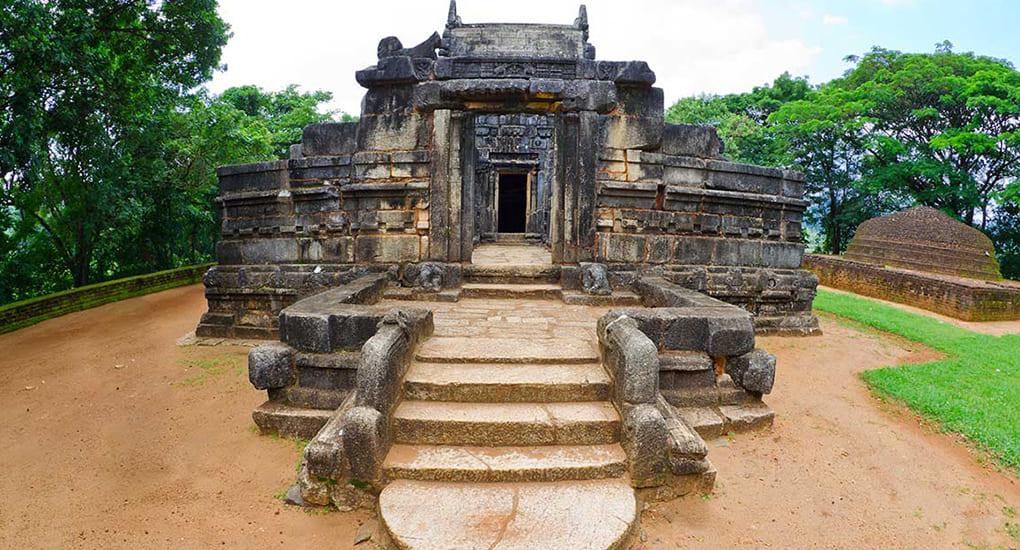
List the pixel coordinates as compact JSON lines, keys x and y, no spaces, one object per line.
{"x":415,"y":180}
{"x":509,"y":145}
{"x":922,"y":257}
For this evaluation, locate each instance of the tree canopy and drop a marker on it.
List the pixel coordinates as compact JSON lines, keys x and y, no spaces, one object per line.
{"x":108,"y":147}
{"x":897,"y":129}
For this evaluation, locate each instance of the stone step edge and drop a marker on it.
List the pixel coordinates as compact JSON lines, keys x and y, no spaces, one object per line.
{"x":586,"y":522}
{"x":496,"y":464}
{"x":504,"y":360}
{"x":274,"y":417}
{"x":582,"y":383}
{"x":493,"y":429}
{"x":511,"y":290}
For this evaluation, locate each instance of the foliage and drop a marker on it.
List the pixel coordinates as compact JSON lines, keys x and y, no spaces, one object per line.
{"x":1004,"y":230}
{"x":824,"y":139}
{"x":972,"y":391}
{"x":285,"y":113}
{"x":741,"y":119}
{"x":83,"y":82}
{"x":944,"y":128}
{"x":108,"y":148}
{"x":940,"y":129}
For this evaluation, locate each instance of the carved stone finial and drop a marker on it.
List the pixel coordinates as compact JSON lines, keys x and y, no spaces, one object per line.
{"x":452,"y":19}
{"x":582,"y":20}
{"x":388,"y":47}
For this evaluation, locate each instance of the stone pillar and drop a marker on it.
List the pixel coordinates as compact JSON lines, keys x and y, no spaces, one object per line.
{"x":466,"y":134}
{"x":556,"y":193}
{"x":455,"y":186}
{"x":587,"y":160}
{"x":566,"y":156}
{"x":576,"y":166}
{"x":439,"y":216}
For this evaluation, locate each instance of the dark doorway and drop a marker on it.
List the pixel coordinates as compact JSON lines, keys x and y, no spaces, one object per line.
{"x":513,"y":202}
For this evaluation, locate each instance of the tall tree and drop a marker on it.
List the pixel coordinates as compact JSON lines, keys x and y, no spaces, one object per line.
{"x":944,"y":127}
{"x":824,"y":138}
{"x":285,"y":112}
{"x":80,"y":80}
{"x":742,"y":119}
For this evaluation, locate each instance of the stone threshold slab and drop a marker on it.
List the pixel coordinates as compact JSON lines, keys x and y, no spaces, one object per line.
{"x":458,"y":349}
{"x":425,"y":515}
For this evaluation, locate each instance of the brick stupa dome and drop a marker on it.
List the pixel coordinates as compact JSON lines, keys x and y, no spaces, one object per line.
{"x":925,"y":239}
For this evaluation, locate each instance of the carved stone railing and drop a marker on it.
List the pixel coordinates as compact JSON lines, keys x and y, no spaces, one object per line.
{"x":343,"y":462}
{"x":679,"y":319}
{"x":343,"y":351}
{"x":666,"y":457}
{"x":708,"y":367}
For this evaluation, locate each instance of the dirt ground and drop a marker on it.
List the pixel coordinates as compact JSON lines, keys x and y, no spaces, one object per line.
{"x":115,"y":437}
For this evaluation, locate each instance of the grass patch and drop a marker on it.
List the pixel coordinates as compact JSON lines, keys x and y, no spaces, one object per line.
{"x":974,"y":390}
{"x":203,"y":370}
{"x":1013,"y":530}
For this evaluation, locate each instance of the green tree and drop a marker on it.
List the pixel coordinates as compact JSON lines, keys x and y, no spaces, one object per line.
{"x":824,"y":138}
{"x":742,"y":119}
{"x":285,"y":112}
{"x":107,"y":154}
{"x":944,"y":128}
{"x":80,"y":80}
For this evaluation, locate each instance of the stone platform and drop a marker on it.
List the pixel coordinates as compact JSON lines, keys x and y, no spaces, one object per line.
{"x":511,"y":421}
{"x":959,"y":297}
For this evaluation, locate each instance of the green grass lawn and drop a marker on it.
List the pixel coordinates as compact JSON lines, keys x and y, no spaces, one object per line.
{"x":974,"y":391}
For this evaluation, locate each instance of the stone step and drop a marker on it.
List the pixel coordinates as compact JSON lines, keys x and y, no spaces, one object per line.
{"x":518,"y":291}
{"x":448,"y":295}
{"x":505,"y":424}
{"x":618,"y":298}
{"x":495,"y":383}
{"x":514,"y":238}
{"x":497,"y":464}
{"x":680,"y":370}
{"x":430,"y":515}
{"x":511,"y":274}
{"x":290,"y":421}
{"x":463,"y":349}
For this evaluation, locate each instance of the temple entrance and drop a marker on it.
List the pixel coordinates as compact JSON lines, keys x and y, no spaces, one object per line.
{"x":512,"y":202}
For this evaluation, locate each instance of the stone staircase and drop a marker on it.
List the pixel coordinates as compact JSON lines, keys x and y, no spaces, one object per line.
{"x":507,"y":443}
{"x":511,"y":419}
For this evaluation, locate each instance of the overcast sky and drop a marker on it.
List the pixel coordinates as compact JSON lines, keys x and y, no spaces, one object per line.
{"x":694,"y":46}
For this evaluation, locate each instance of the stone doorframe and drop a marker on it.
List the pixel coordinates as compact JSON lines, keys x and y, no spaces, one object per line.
{"x":572,"y":183}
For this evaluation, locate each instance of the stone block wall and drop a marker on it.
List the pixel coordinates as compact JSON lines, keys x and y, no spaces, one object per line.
{"x":967,"y":299}
{"x":29,"y":312}
{"x":730,"y":230}
{"x":414,"y":179}
{"x":329,"y":214}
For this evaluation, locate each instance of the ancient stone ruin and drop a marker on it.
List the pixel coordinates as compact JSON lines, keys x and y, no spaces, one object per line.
{"x":923,"y":257}
{"x":925,"y":239}
{"x":511,"y":300}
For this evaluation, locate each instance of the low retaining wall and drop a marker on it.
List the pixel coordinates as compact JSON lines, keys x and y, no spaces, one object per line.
{"x":34,"y":310}
{"x":966,"y":299}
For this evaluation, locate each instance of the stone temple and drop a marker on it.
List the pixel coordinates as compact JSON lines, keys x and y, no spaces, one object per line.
{"x":510,"y":300}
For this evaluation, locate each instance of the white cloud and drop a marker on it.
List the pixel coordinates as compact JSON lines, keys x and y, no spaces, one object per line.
{"x":694,"y":46}
{"x":829,"y":19}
